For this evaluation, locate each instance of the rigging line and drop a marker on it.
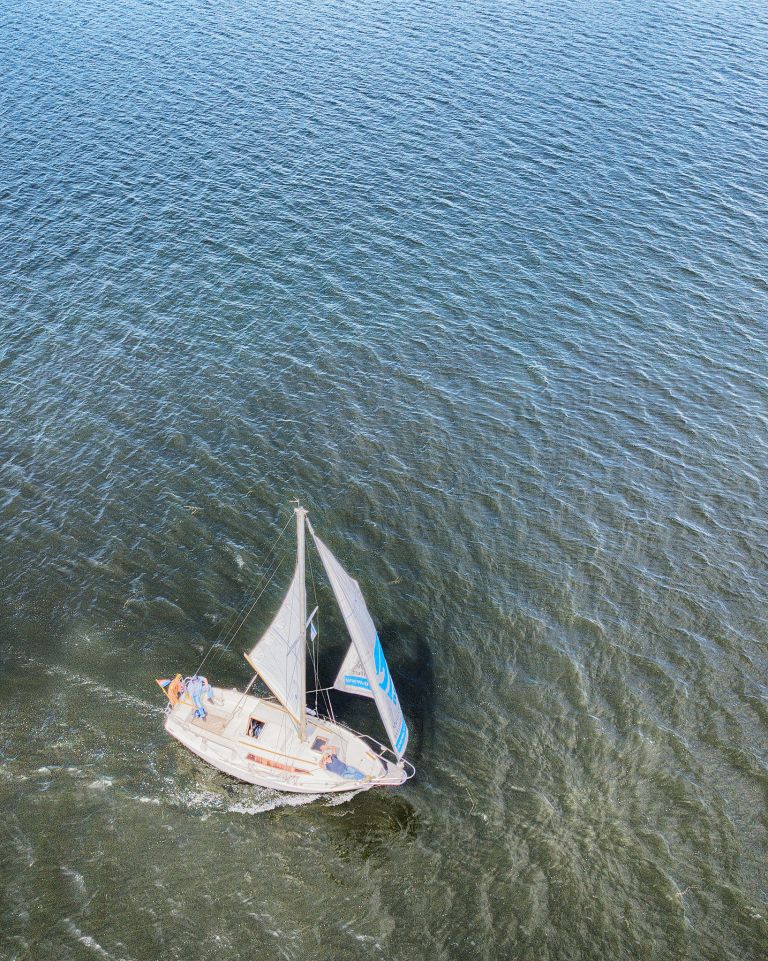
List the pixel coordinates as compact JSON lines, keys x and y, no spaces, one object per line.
{"x":266,"y":563}
{"x":221,"y":651}
{"x":257,"y":581}
{"x":244,"y":694}
{"x":218,"y":647}
{"x":239,"y":620}
{"x":247,"y":607}
{"x":233,"y":617}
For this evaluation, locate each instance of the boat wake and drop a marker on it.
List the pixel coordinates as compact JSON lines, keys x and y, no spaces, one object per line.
{"x":208,"y":803}
{"x":77,"y":679}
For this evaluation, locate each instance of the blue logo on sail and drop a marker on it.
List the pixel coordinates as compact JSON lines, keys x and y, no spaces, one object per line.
{"x":354,"y":680}
{"x":382,"y":672}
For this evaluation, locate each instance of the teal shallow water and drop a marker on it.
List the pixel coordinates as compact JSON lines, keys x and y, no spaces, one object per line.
{"x":485,"y":285}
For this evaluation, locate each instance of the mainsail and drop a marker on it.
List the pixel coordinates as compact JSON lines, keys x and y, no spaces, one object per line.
{"x":368,"y":651}
{"x":280,"y":656}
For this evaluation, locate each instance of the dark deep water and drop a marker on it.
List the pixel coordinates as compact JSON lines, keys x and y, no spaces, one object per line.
{"x":485,"y":285}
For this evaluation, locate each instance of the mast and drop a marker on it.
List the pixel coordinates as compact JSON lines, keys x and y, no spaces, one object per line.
{"x":301,"y":578}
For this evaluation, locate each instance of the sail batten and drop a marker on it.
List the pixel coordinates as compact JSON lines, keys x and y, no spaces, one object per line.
{"x":364,"y":670}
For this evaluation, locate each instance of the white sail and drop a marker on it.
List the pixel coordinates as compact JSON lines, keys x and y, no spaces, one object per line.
{"x":280,"y":656}
{"x":367,"y":645}
{"x":352,"y":677}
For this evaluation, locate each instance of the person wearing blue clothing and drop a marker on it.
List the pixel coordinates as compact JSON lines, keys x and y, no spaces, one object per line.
{"x":197,"y":687}
{"x":332,"y":762}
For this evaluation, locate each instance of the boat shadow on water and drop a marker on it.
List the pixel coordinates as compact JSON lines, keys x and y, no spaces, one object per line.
{"x":371,"y":824}
{"x":412,"y":665}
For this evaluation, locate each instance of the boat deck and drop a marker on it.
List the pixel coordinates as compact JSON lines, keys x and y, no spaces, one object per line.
{"x":270,"y":752}
{"x":215,"y":722}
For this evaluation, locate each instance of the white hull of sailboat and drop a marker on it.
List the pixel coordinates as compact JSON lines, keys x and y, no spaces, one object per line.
{"x":256,"y":741}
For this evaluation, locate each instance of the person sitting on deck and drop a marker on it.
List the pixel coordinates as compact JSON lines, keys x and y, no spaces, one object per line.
{"x":197,"y":687}
{"x":332,"y":762}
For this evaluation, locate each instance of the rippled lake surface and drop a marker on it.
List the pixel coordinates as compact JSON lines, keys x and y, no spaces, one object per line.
{"x":485,"y":285}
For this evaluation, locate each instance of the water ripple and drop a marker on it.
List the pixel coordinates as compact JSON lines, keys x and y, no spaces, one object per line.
{"x":484,"y":284}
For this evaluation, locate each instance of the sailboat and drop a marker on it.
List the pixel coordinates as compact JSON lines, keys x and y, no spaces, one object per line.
{"x":280,"y":742}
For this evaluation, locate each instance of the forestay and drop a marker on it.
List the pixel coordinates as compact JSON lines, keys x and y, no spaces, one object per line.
{"x":368,"y":651}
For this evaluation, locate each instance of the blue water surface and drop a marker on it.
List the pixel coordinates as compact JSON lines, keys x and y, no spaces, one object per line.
{"x":485,"y":285}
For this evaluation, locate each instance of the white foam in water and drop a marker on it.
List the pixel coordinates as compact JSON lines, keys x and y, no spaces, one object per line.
{"x":365,"y":938}
{"x":84,"y":681}
{"x":91,"y":943}
{"x":100,"y":783}
{"x":23,"y":844}
{"x":277,"y":801}
{"x":335,"y":799}
{"x":210,"y":802}
{"x":215,"y":803}
{"x":274,"y":800}
{"x":78,"y":881}
{"x":120,"y":696}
